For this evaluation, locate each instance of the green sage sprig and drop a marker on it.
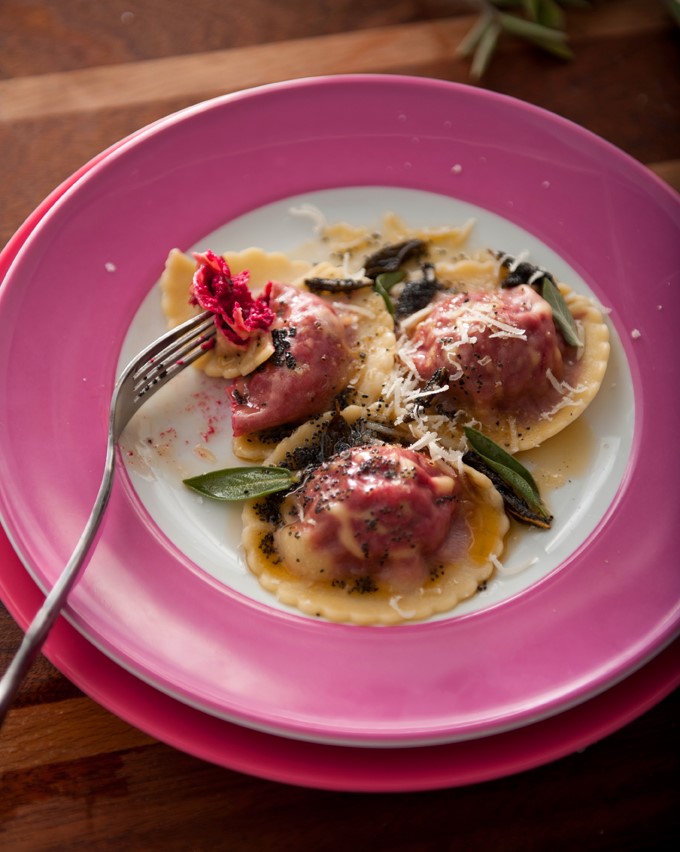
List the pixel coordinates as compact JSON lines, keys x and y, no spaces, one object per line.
{"x":242,"y":483}
{"x":384,"y":283}
{"x":562,"y":316}
{"x":540,"y":22}
{"x":514,"y":482}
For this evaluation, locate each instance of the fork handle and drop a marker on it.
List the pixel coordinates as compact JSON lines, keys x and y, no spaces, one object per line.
{"x":48,"y":613}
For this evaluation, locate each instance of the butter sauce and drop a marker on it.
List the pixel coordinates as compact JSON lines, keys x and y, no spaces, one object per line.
{"x":553,"y":465}
{"x":565,"y":456}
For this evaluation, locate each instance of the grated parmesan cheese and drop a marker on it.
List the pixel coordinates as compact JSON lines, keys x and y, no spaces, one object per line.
{"x":516,"y":259}
{"x":403,"y":395}
{"x":550,"y":376}
{"x":353,"y":309}
{"x":562,"y":387}
{"x":411,"y":397}
{"x":565,"y":402}
{"x":504,"y":328}
{"x":413,"y":320}
{"x":319,"y":221}
{"x":511,"y":572}
{"x":394,"y":603}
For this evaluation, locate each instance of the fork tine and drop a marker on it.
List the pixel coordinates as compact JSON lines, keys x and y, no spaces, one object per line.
{"x":190,"y":342}
{"x":172,"y":361}
{"x":166,"y":346}
{"x":157,"y":364}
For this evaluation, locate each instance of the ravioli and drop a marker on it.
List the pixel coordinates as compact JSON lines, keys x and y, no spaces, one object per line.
{"x":494,"y":358}
{"x":518,"y":380}
{"x":175,"y":284}
{"x":376,"y":533}
{"x":368,"y":332}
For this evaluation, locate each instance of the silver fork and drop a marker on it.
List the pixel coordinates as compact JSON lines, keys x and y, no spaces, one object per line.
{"x":147,"y":373}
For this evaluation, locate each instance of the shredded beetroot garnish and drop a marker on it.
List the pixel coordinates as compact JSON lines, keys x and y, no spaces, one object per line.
{"x":237,"y":314}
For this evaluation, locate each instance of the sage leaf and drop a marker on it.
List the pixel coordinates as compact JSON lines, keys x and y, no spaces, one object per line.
{"x":561,"y":314}
{"x":381,"y":291}
{"x":520,"y":486}
{"x":531,"y":7}
{"x":549,"y":14}
{"x":514,"y":503}
{"x":390,"y":258}
{"x":472,"y":39}
{"x":387,"y":280}
{"x":491,"y":451}
{"x":544,"y":284}
{"x":511,"y":471}
{"x":336,"y":285}
{"x":241,"y":483}
{"x":529,"y":29}
{"x":384,"y":283}
{"x":484,"y":50}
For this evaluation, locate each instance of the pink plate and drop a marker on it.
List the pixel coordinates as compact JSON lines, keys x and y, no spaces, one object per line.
{"x":309,"y":764}
{"x":609,"y":607}
{"x":331,"y":767}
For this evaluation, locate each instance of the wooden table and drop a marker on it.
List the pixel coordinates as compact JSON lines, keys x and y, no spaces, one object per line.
{"x":74,"y":78}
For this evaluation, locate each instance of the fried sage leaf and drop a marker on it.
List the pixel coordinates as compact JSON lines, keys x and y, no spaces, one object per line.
{"x":515,"y":483}
{"x":514,"y":504}
{"x":337,"y":436}
{"x":241,"y":483}
{"x":417,"y":294}
{"x":392,"y":257}
{"x":561,"y":314}
{"x":336,"y":285}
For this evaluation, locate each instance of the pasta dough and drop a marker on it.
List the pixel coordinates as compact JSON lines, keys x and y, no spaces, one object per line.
{"x":430,"y":569}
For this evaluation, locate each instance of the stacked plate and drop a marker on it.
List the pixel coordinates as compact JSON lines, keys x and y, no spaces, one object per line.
{"x":166,"y":627}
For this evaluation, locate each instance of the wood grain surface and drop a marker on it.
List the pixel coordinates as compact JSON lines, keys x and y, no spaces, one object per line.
{"x":75,"y":77}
